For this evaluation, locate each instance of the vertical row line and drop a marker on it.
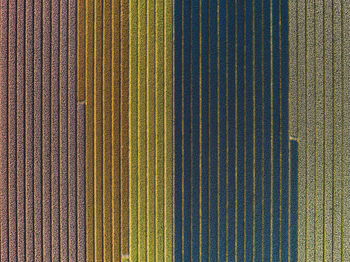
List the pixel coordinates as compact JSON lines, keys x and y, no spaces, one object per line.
{"x":12,"y":130}
{"x":124,"y":124}
{"x":133,"y":135}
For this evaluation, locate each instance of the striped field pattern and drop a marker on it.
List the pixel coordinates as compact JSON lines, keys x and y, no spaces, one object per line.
{"x":175,"y":130}
{"x":103,"y":87}
{"x":319,"y":102}
{"x":151,"y":130}
{"x":235,"y":187}
{"x":42,"y":134}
